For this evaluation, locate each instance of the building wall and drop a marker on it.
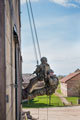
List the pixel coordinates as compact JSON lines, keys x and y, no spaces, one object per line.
{"x":73,"y":86}
{"x":64,"y":89}
{"x":9,"y":65}
{"x":11,"y":15}
{"x":2,"y":62}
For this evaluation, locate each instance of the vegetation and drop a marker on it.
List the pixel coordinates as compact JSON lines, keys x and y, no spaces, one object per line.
{"x":61,"y":76}
{"x":59,"y":89}
{"x":73,"y":100}
{"x":49,"y":101}
{"x":43,"y":101}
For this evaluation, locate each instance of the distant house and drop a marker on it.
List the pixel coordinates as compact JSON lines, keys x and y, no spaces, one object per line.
{"x":26,"y":79}
{"x":70,"y":85}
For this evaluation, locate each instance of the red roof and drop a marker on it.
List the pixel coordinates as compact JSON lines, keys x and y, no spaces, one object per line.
{"x":69,"y":77}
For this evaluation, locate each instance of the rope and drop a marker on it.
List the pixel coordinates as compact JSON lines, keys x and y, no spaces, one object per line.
{"x":38,"y":110}
{"x":47,"y":107}
{"x":35,"y":29}
{"x":32,"y":32}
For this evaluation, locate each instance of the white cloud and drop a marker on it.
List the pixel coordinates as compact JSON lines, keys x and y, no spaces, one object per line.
{"x":66,"y":3}
{"x":63,"y":61}
{"x":77,"y":1}
{"x":63,"y":55}
{"x":24,"y":1}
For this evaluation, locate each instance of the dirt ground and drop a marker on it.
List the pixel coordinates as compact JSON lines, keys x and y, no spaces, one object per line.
{"x":56,"y":113}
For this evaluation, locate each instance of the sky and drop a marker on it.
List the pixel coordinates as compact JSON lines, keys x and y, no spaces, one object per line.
{"x":58,"y":28}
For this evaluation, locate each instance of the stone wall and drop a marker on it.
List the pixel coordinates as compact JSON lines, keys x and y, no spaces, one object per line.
{"x":9,"y":80}
{"x":13,"y":83}
{"x":64,"y":89}
{"x":73,"y":86}
{"x":2,"y":62}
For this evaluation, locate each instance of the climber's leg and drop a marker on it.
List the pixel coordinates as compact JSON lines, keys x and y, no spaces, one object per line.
{"x":24,"y":95}
{"x":37,"y":92}
{"x":40,"y":92}
{"x":33,"y":81}
{"x":50,"y":90}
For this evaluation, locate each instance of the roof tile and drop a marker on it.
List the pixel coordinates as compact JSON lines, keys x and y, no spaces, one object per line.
{"x":70,"y":76}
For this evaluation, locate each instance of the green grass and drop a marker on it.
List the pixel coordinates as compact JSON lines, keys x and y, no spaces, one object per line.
{"x":43,"y":101}
{"x":59,"y":88}
{"x":73,"y":100}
